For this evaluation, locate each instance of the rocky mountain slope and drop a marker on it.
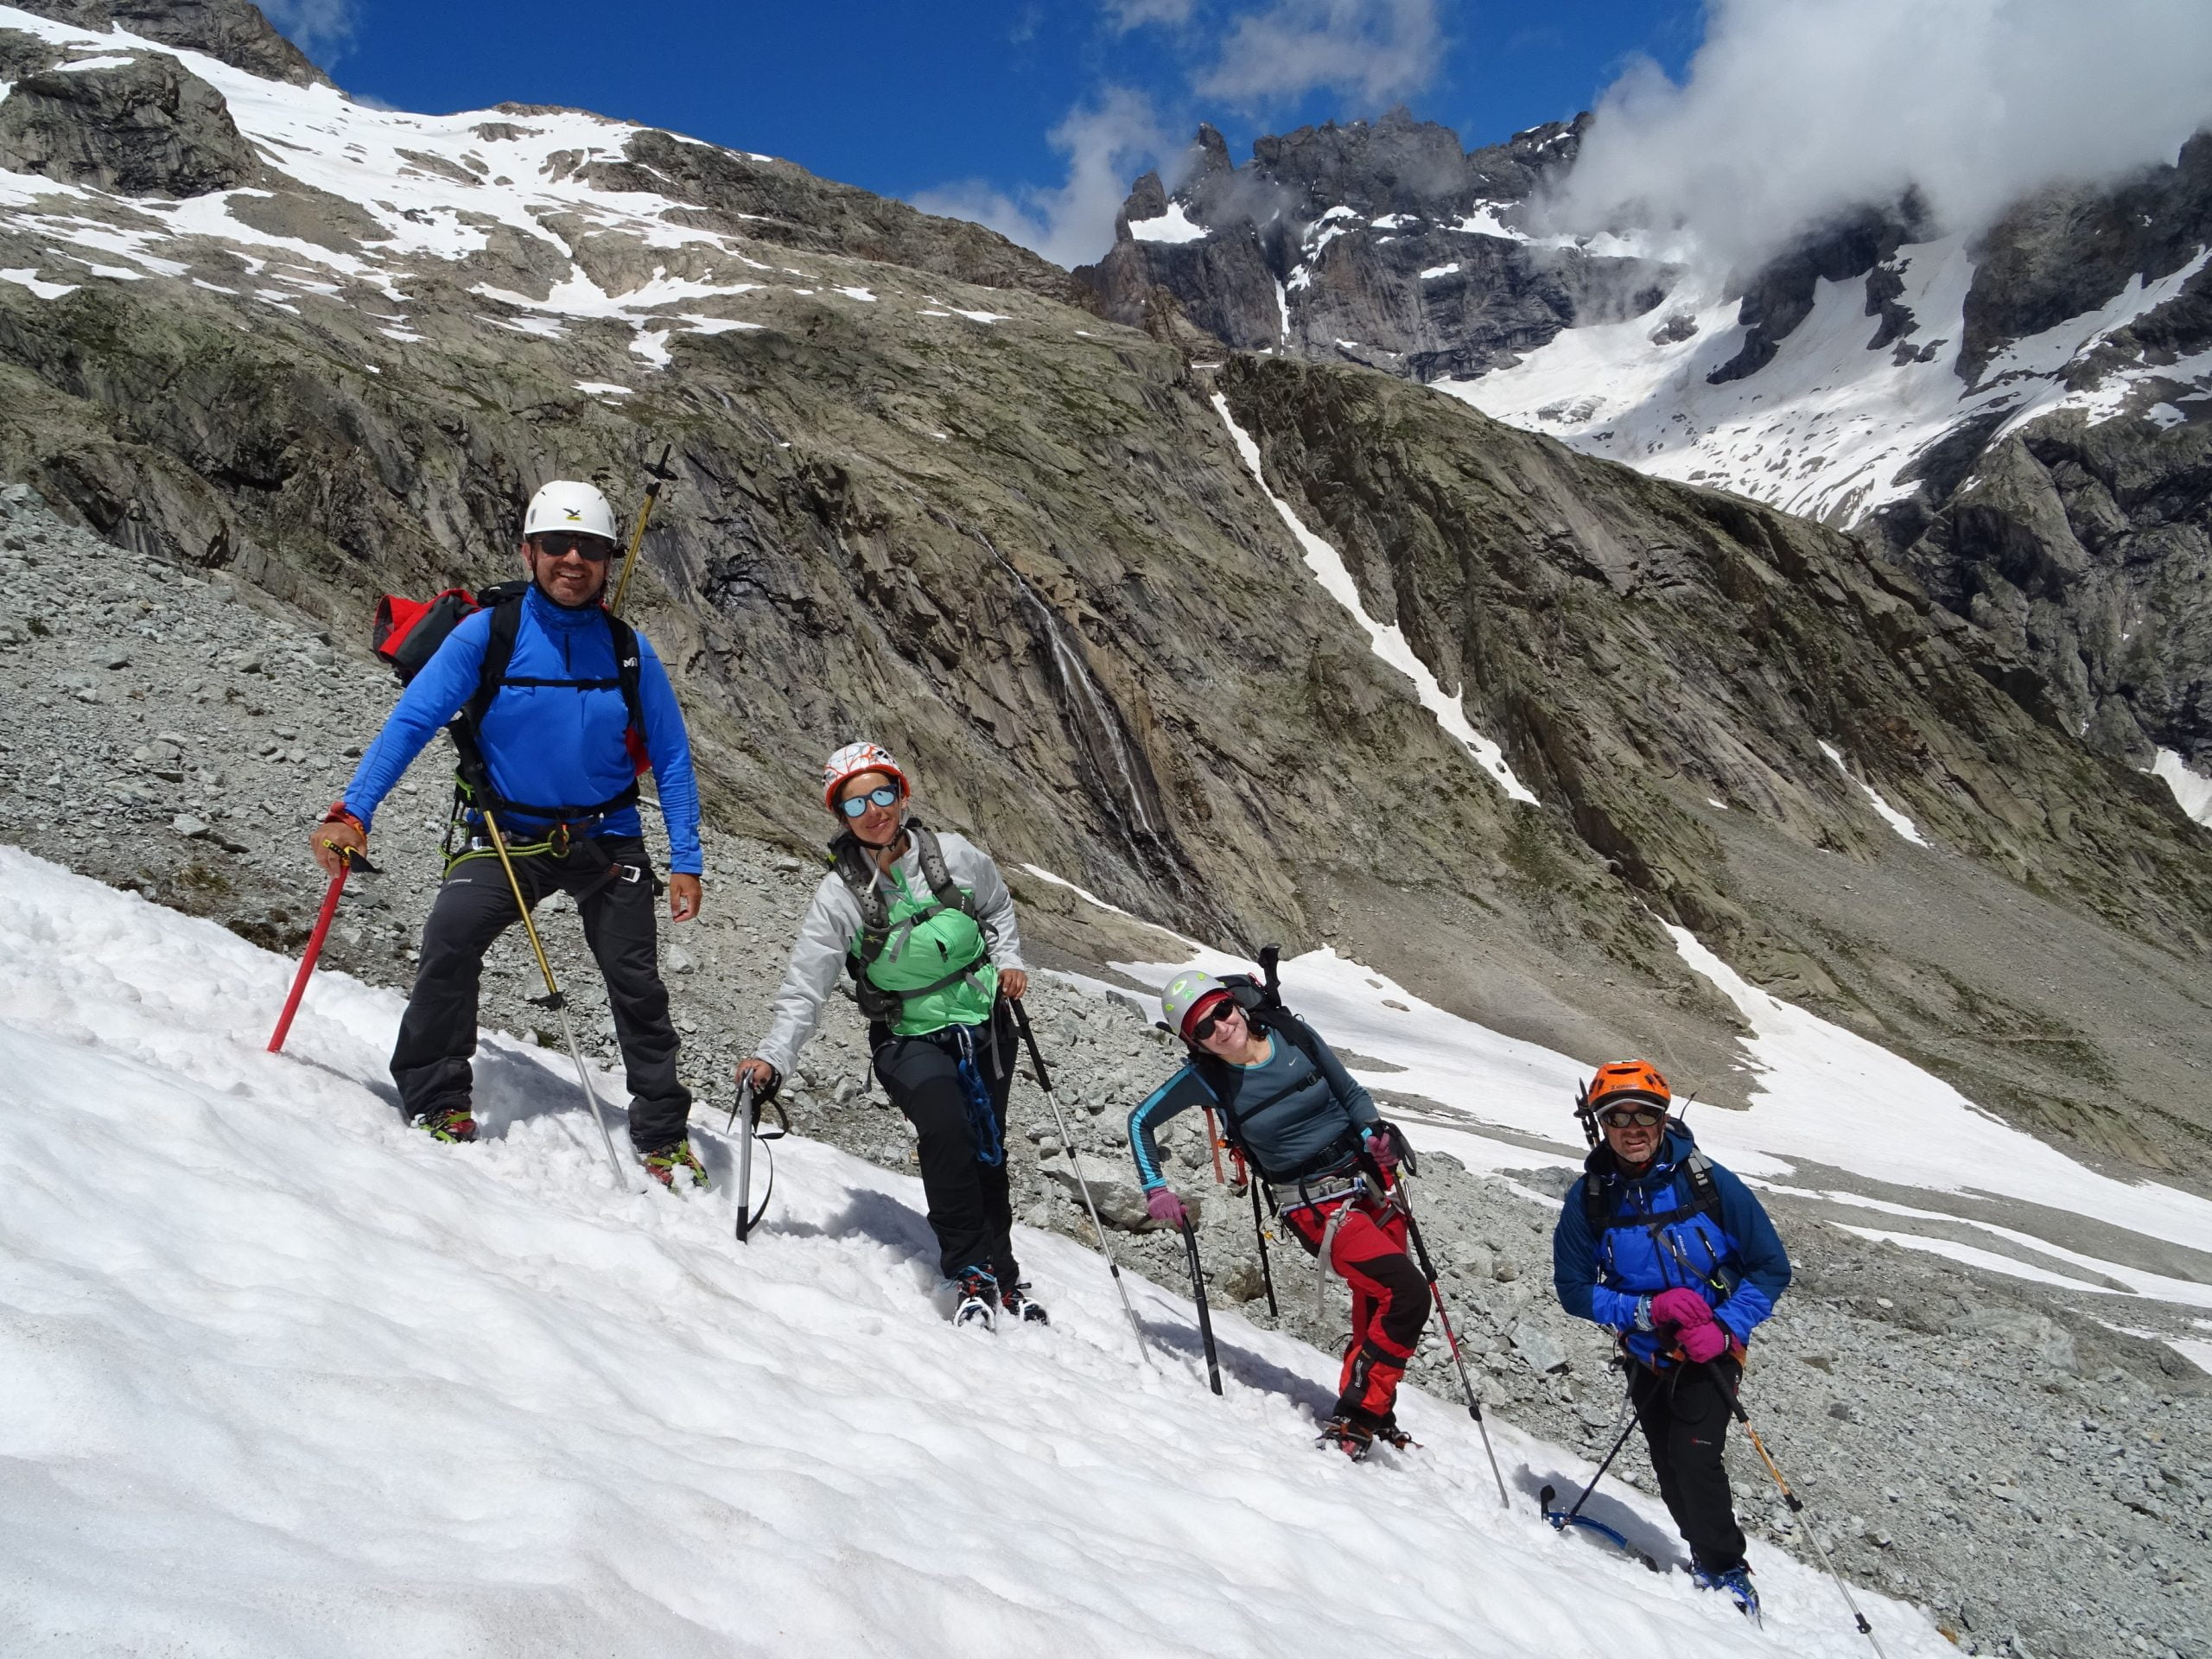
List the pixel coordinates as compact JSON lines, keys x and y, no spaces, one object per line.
{"x":919,"y":494}
{"x":2020,"y":418}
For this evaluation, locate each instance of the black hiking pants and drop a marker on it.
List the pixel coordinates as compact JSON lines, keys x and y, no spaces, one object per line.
{"x":971,"y":1208}
{"x":1685,"y":1419}
{"x":610,"y":879}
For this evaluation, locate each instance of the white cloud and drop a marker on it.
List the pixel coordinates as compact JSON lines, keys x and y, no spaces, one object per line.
{"x":1376,"y":51}
{"x":1795,"y":109}
{"x":1107,"y":143}
{"x":1123,"y":15}
{"x":322,"y":29}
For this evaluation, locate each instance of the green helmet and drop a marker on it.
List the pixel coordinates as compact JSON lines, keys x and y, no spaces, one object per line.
{"x":1186,"y":994}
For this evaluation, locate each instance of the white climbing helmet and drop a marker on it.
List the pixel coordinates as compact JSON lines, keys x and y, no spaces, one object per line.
{"x":1186,"y":995}
{"x":853,"y":759}
{"x":566,"y":505}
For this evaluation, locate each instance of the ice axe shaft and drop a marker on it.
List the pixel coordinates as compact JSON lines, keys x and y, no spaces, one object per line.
{"x":314,"y":947}
{"x":1199,"y":1298}
{"x":660,"y":474}
{"x":744,"y":1161}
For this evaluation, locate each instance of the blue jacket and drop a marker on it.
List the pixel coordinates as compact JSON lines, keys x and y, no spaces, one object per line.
{"x":547,"y":743}
{"x":1295,"y":1113}
{"x":1733,"y":1258}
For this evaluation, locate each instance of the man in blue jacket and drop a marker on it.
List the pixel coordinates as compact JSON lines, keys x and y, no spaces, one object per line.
{"x":1676,"y":1256}
{"x":559,"y":749}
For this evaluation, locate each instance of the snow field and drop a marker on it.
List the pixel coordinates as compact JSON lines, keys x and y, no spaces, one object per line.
{"x":278,"y":1376}
{"x":1824,"y":1097}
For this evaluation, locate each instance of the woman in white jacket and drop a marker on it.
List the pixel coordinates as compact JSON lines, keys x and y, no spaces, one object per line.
{"x":925,"y":926}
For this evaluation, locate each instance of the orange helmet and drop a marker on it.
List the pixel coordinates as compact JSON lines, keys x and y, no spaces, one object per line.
{"x":1623,"y":1080}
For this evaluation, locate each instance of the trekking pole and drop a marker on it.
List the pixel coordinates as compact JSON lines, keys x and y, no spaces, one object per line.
{"x":1397,"y":1191}
{"x":1796,"y":1506}
{"x":553,"y":1000}
{"x":661,"y":474}
{"x":1044,"y":1083}
{"x":1260,"y":1232}
{"x":345,"y":857}
{"x":1198,"y":1296}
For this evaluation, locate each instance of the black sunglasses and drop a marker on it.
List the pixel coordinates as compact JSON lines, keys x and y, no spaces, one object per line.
{"x":883,"y":794}
{"x":1632,"y":1117}
{"x":559,"y":544}
{"x":1204,"y":1029}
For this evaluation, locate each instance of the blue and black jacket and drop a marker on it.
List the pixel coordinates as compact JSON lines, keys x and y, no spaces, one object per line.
{"x":1295,"y":1114}
{"x":547,"y":742}
{"x":1657,"y":1235}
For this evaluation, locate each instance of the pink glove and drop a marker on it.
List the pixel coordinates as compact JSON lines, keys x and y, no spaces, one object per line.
{"x":1679,"y":1306}
{"x":1164,"y":1207}
{"x":1701,"y":1343}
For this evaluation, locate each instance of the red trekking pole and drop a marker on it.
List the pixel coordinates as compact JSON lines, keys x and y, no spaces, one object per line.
{"x":345,"y":857}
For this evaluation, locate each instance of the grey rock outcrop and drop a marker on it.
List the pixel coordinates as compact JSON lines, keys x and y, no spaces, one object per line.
{"x":233,"y":31}
{"x":1377,"y":243}
{"x":144,"y":127}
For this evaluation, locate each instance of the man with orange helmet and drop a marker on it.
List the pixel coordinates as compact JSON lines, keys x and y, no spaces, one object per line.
{"x":1676,"y":1256}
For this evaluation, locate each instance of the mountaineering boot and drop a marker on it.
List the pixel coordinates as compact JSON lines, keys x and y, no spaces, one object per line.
{"x":678,"y":1154}
{"x":978,"y":1295}
{"x":1736,"y":1581}
{"x":1015,"y":1301}
{"x":453,"y":1124}
{"x":1396,"y":1439}
{"x":1354,"y":1439}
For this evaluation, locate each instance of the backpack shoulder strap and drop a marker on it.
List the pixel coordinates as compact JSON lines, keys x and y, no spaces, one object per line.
{"x":936,"y":872}
{"x":858,"y":874}
{"x":505,"y":606}
{"x":1705,"y":1191}
{"x":629,"y":669}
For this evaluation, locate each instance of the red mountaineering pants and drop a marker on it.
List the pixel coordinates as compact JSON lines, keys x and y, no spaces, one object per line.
{"x":1389,"y":1299}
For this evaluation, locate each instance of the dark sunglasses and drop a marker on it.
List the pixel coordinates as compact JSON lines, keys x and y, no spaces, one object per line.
{"x":560,"y":543}
{"x":884,"y":795}
{"x":1204,"y":1029}
{"x":1632,"y":1117}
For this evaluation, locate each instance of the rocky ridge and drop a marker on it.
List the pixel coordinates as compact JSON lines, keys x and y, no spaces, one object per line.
{"x":183,"y":727}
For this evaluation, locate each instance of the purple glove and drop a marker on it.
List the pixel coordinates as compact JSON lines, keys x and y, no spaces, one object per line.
{"x":1680,"y":1307}
{"x":1164,"y":1207}
{"x":1381,"y":1144}
{"x":1701,"y":1343}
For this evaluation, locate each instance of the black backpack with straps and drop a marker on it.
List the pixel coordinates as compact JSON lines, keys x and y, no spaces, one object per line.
{"x":858,"y":872}
{"x":1262,"y":1000}
{"x":408,"y":633}
{"x":1696,"y":1168}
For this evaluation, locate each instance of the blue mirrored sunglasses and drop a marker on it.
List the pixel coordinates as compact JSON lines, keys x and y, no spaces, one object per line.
{"x":882,"y":794}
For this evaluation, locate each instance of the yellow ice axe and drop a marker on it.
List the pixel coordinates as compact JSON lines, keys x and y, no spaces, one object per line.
{"x":661,"y":474}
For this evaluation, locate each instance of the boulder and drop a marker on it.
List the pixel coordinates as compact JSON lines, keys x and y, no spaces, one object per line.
{"x":145,"y":128}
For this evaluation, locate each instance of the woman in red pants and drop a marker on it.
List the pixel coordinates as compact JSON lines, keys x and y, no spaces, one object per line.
{"x":1313,"y":1135}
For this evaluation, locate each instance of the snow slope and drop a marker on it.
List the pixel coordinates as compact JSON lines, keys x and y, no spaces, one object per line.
{"x":1825,"y":1100}
{"x":437,"y":188}
{"x":279,"y":1377}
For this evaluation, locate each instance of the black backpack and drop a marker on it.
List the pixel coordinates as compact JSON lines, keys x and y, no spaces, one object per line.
{"x":408,"y":633}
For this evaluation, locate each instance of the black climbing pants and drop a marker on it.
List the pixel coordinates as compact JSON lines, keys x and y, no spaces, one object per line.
{"x":610,"y":879}
{"x":971,"y":1209}
{"x":1685,"y":1419}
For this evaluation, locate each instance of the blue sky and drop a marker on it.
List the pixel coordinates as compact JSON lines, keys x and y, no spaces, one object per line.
{"x":1031,"y":116}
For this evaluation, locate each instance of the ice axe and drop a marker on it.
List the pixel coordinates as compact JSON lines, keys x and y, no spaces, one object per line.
{"x":661,"y":473}
{"x":348,"y":860}
{"x":749,"y":1108}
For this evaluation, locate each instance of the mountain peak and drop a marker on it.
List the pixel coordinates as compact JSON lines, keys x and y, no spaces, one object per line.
{"x":230,"y":31}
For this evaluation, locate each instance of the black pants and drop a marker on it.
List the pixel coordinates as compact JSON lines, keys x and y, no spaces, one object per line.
{"x":1685,"y":1419}
{"x":475,"y":905}
{"x":971,"y":1209}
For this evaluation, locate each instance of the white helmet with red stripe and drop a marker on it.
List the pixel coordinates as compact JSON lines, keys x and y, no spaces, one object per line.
{"x":853,"y":759}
